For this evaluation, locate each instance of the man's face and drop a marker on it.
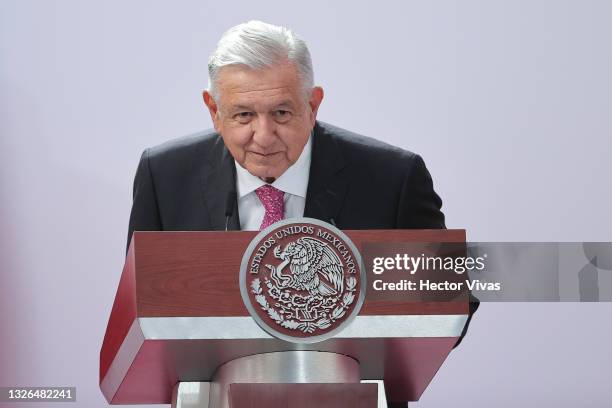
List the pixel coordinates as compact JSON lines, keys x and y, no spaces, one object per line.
{"x":263,"y":116}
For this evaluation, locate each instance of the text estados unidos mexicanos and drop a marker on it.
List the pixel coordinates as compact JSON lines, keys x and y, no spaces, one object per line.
{"x":343,"y":250}
{"x":412,"y":264}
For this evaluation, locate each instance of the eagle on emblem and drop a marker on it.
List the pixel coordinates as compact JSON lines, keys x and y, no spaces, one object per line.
{"x":313,"y":265}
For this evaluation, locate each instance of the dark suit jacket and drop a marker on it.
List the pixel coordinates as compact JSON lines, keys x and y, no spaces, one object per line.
{"x":355,"y":182}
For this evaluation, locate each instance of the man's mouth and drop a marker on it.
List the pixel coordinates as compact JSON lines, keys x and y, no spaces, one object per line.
{"x":265,"y":154}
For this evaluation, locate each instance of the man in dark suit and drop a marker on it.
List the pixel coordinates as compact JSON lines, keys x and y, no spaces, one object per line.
{"x":264,"y":104}
{"x":355,"y":182}
{"x":267,"y":145}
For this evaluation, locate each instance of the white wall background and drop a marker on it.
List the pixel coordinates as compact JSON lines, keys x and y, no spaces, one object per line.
{"x":509,"y":102}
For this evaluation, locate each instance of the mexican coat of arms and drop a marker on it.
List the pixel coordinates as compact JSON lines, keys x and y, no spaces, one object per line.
{"x":301,"y":280}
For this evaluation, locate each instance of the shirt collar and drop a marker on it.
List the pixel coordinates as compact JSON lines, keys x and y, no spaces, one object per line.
{"x":293,"y":181}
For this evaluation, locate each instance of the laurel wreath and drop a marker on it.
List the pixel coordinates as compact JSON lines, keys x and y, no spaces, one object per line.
{"x":306,"y":327}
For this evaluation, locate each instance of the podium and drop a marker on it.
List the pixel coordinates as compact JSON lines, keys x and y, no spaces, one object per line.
{"x":179,"y":333}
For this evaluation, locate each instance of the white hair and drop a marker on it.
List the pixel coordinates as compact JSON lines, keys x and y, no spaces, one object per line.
{"x":259,"y":45}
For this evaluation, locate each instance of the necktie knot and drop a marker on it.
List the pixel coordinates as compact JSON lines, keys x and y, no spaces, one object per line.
{"x":273,"y":201}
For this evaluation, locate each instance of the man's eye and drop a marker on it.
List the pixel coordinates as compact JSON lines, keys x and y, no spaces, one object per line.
{"x":282,"y":115}
{"x":243,"y":116}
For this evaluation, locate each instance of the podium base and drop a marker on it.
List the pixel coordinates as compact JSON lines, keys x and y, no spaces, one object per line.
{"x":337,"y":395}
{"x":188,"y":394}
{"x":278,"y":367}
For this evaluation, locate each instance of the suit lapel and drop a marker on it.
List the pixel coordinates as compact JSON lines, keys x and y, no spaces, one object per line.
{"x":218,"y":179}
{"x":327,"y":185}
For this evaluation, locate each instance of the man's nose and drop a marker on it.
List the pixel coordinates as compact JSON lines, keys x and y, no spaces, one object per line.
{"x":264,"y":131}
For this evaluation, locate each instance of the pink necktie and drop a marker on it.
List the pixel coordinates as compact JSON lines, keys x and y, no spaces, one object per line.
{"x":273,"y":201}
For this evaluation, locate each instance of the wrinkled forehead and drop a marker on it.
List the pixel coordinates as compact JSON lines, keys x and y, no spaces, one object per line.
{"x":267,"y":87}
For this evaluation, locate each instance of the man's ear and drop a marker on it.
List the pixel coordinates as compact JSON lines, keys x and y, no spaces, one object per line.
{"x":316,"y":97}
{"x":213,"y":108}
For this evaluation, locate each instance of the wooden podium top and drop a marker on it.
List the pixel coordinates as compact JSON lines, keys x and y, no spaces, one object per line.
{"x":196,"y":275}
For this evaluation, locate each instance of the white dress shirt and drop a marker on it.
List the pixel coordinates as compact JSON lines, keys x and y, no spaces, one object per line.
{"x":293,"y":182}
